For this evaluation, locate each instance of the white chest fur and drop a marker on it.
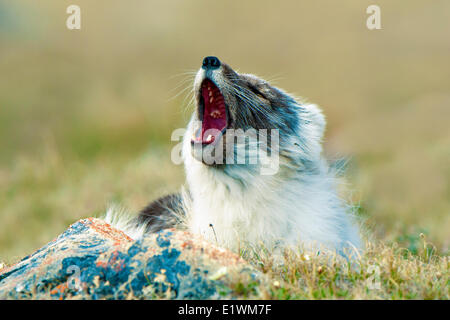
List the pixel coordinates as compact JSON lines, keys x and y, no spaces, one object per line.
{"x":265,"y":209}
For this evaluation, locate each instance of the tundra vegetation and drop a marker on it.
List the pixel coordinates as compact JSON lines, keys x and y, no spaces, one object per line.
{"x":86,"y":118}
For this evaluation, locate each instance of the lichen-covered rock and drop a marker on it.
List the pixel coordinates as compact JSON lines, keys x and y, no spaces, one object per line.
{"x":92,"y":260}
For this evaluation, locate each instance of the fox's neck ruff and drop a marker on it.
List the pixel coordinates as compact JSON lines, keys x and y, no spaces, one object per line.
{"x":237,"y":206}
{"x":236,"y":209}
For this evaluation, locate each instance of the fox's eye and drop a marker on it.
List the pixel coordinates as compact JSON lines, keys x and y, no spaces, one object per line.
{"x":257,"y":92}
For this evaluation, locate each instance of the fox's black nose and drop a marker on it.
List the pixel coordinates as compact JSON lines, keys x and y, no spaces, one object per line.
{"x":211,"y":63}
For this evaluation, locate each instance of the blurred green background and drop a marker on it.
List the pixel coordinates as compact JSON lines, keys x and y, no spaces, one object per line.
{"x":86,"y":115}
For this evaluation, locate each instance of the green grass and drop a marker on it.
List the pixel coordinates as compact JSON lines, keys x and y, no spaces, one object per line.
{"x":385,"y":271}
{"x":86,"y":118}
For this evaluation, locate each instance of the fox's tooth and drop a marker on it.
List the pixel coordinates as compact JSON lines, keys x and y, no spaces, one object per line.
{"x":211,"y":100}
{"x":210,"y":93}
{"x":209,"y":138}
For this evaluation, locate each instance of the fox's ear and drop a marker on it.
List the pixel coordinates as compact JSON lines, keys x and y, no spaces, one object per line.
{"x":318,"y":120}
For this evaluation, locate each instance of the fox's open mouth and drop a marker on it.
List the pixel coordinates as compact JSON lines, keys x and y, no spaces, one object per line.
{"x":212,"y":112}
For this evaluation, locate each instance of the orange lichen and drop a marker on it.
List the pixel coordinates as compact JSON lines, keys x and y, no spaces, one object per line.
{"x":107,"y":230}
{"x":59,"y":289}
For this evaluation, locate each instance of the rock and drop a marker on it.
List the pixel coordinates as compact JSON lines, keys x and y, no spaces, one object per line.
{"x":92,"y":260}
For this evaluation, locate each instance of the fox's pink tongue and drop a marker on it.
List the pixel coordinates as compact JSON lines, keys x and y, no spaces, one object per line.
{"x":214,"y":113}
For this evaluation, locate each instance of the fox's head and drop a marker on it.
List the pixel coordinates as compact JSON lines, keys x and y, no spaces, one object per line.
{"x":237,"y":112}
